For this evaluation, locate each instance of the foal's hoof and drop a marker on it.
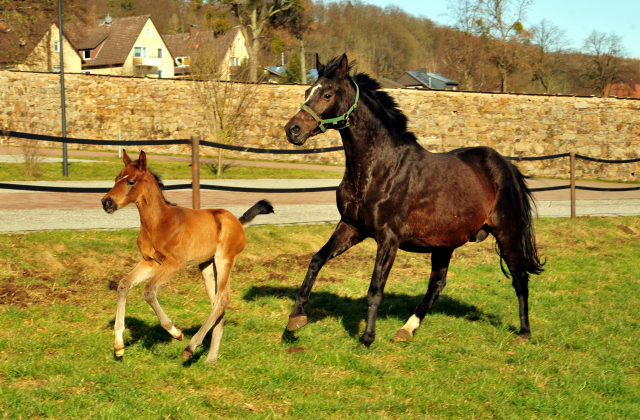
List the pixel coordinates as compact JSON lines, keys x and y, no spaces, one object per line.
{"x":176,"y":333}
{"x":119,"y":352}
{"x":187,"y":354}
{"x":296,"y":322}
{"x":403,"y":335}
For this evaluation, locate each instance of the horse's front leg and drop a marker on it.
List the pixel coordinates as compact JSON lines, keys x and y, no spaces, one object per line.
{"x":344,"y":237}
{"x":143,"y":271}
{"x":388,"y":245}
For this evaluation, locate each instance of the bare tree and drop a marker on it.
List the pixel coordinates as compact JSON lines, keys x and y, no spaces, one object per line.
{"x":224,"y":100}
{"x":549,"y":59}
{"x":501,"y":22}
{"x":604,"y":59}
{"x":254,"y":18}
{"x":462,"y":44}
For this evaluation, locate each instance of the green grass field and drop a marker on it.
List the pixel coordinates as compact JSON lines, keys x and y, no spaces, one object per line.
{"x":108,"y":168}
{"x":466,"y":362}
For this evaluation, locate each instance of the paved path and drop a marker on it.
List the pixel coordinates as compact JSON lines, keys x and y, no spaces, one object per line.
{"x":33,"y":211}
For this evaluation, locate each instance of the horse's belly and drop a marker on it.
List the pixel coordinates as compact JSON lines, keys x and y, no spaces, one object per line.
{"x":444,"y":231}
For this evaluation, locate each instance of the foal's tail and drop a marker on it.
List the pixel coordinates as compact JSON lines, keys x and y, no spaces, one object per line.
{"x":261,"y":207}
{"x":528,"y":249}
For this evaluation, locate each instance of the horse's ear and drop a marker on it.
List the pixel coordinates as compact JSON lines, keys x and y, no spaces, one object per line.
{"x":125,"y":158}
{"x":319,"y":66}
{"x":142,"y":161}
{"x":343,"y":67}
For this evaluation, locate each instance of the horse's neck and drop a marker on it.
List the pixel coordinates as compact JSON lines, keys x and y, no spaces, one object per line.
{"x":151,"y":205}
{"x":368,"y":144}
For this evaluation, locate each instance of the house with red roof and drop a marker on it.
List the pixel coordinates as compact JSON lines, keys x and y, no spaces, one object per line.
{"x":127,"y":46}
{"x":221,"y":52}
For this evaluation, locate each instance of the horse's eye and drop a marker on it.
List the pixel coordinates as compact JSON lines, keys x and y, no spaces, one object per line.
{"x":131,"y":181}
{"x":327,"y":96}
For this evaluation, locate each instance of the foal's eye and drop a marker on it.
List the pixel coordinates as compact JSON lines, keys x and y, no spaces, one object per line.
{"x":327,"y":96}
{"x":131,"y":182}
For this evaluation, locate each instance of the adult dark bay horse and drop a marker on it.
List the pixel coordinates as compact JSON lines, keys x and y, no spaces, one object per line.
{"x":407,"y":198}
{"x":171,"y":238}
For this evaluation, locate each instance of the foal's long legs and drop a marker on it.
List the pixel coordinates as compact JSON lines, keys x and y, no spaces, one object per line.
{"x":344,"y":237}
{"x":386,"y":255}
{"x":439,"y":266}
{"x":143,"y":271}
{"x":167,"y":270}
{"x":218,"y":290}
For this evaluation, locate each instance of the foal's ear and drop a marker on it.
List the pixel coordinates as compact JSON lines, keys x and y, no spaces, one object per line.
{"x":142,"y":161}
{"x":343,"y":67}
{"x":125,"y":158}
{"x":319,"y":66}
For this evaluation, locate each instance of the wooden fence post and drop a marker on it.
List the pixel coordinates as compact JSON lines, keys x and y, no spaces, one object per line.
{"x":572,"y":170}
{"x":195,"y":171}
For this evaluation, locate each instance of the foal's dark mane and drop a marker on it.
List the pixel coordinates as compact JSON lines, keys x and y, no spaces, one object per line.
{"x":386,"y":108}
{"x":158,"y":179}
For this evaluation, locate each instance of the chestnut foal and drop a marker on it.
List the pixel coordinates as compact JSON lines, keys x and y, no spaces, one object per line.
{"x":171,"y":238}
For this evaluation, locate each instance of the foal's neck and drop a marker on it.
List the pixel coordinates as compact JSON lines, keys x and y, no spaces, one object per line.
{"x":151,"y":203}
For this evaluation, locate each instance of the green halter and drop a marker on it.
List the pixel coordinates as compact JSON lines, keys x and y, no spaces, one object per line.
{"x":335,"y":120}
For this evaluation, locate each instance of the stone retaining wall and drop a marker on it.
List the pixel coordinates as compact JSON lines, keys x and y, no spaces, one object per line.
{"x":515,"y":125}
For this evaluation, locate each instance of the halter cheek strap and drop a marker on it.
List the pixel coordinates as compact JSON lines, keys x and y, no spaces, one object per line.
{"x":335,"y":120}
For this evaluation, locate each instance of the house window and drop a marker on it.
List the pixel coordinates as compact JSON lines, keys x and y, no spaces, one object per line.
{"x":234,"y":61}
{"x":86,"y":54}
{"x":86,"y":71}
{"x":56,"y":69}
{"x":148,"y":31}
{"x":57,"y":46}
{"x":160,"y":53}
{"x":161,"y":74}
{"x":140,"y":52}
{"x":240,"y":42}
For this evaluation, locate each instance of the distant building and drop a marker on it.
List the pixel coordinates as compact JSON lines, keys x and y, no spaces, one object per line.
{"x":423,"y":79}
{"x":128,"y":46}
{"x":275,"y":74}
{"x":227,"y":51}
{"x":45,"y":56}
{"x":622,"y":90}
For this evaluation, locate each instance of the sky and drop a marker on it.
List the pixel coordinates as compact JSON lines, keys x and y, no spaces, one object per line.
{"x":577,"y":17}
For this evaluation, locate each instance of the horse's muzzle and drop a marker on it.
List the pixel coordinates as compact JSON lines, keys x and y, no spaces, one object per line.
{"x":108,"y":204}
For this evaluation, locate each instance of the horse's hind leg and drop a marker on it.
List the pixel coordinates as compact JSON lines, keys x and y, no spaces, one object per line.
{"x":143,"y":271}
{"x":438,"y":279}
{"x":344,"y":237}
{"x":216,"y":281}
{"x":164,"y":274}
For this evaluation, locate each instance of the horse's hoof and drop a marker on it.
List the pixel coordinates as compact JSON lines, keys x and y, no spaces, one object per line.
{"x":181,"y":336}
{"x":403,"y":335}
{"x":119,"y":352}
{"x":187,"y":354}
{"x":366,"y":340}
{"x":524,"y":336}
{"x":296,"y":322}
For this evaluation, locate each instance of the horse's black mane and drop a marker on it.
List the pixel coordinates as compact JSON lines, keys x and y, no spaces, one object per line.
{"x":387,"y":108}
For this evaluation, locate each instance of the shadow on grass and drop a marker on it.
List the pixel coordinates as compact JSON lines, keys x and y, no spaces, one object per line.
{"x":353,"y":311}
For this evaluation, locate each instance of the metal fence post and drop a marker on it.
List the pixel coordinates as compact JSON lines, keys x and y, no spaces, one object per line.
{"x":572,"y":170}
{"x":195,"y":171}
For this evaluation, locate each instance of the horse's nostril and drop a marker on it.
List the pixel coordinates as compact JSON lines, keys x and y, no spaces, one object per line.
{"x":295,"y":130}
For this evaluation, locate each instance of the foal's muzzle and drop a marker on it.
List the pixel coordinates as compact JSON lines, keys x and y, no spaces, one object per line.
{"x":108,"y":204}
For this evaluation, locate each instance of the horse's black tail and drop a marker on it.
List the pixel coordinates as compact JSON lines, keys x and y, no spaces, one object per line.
{"x":261,"y":207}
{"x":528,"y":249}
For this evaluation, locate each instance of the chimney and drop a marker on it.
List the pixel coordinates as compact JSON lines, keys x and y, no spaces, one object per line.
{"x":423,"y":70}
{"x":193,"y":31}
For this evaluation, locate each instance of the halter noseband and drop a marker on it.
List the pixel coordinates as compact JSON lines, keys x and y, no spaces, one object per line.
{"x":335,"y":120}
